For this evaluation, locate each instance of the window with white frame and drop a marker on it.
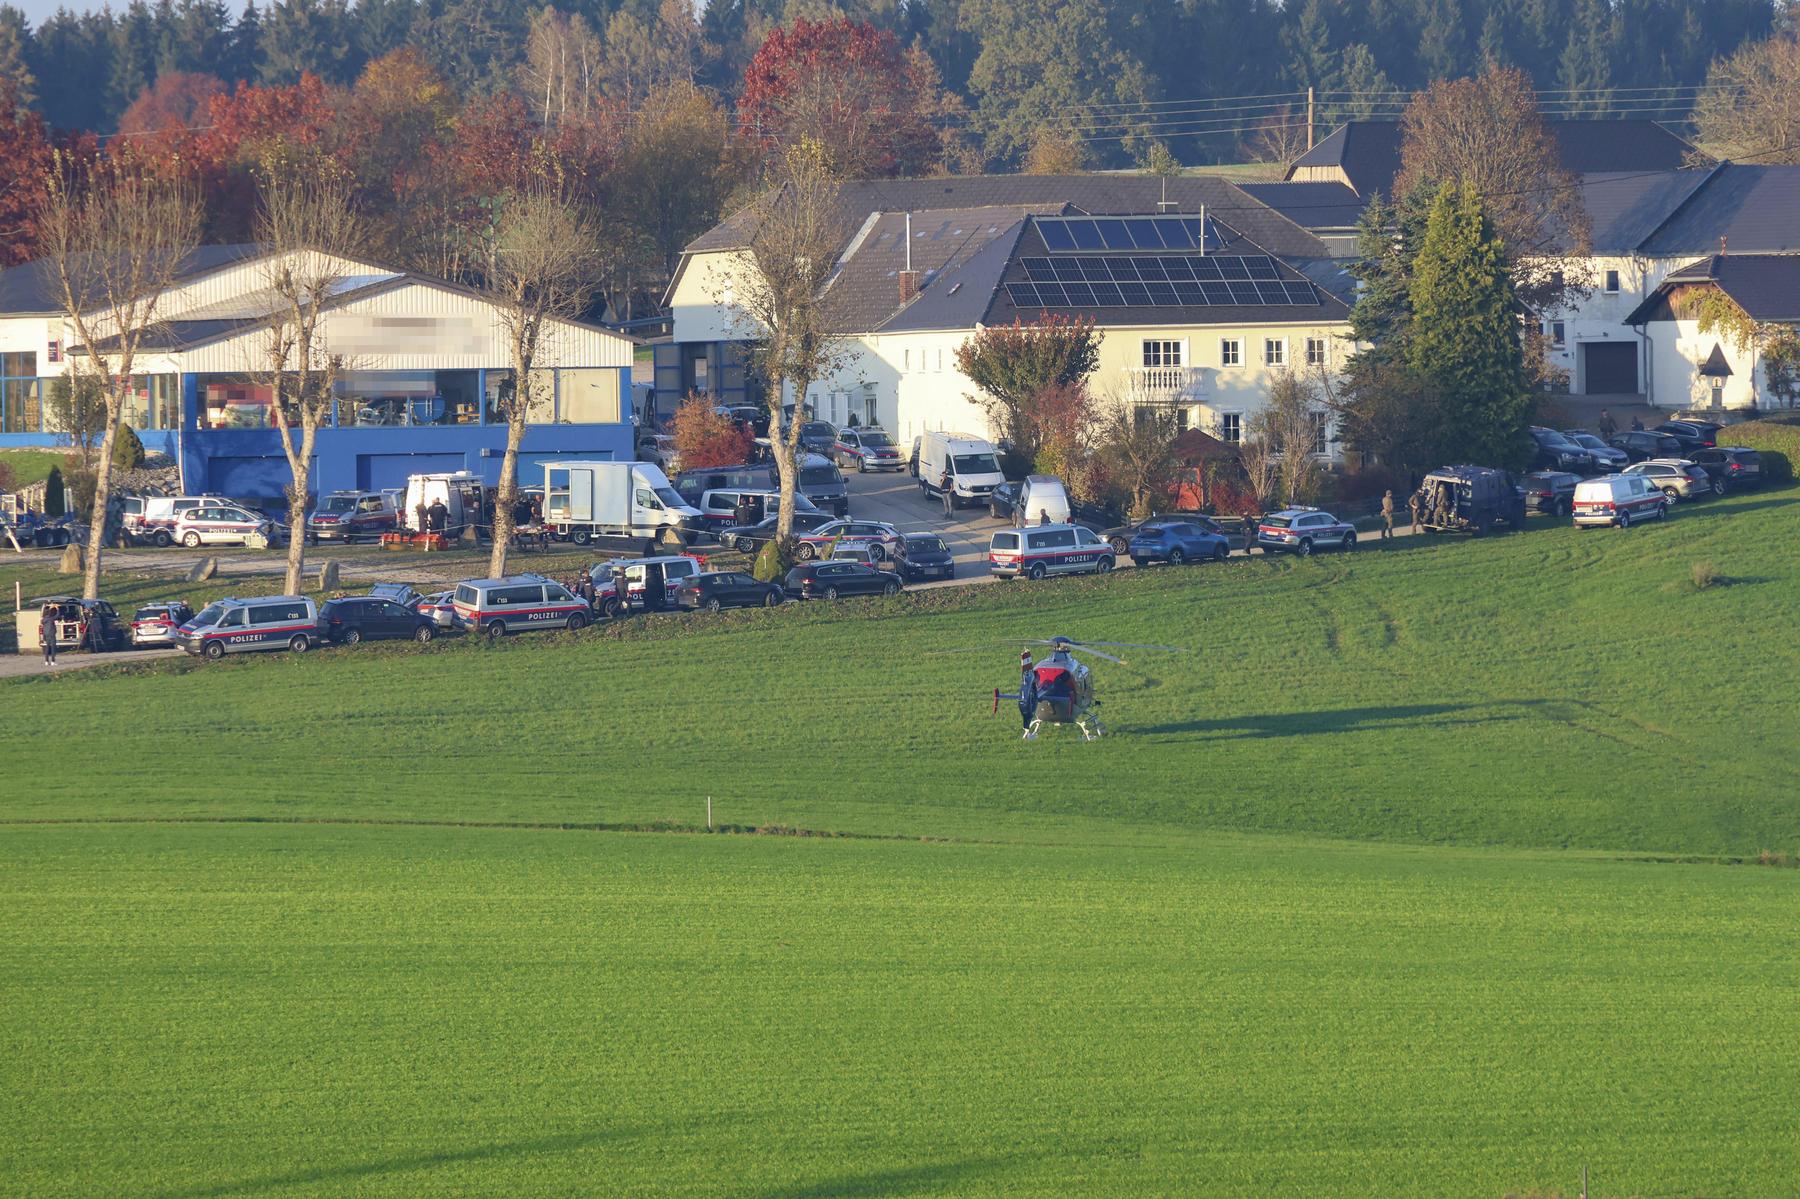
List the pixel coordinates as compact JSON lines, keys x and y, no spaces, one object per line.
{"x":1612,"y":283}
{"x":1162,"y":352}
{"x":1231,"y":352}
{"x":1557,"y":333}
{"x":1315,"y":351}
{"x":1321,"y":427}
{"x":1231,"y":427}
{"x":1274,"y":351}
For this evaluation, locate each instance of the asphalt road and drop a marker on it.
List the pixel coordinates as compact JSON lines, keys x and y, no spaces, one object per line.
{"x":894,"y":497}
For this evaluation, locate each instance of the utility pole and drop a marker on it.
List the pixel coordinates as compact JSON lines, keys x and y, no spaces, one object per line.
{"x":1309,"y":117}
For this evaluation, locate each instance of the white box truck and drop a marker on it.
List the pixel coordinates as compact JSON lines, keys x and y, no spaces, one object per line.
{"x":463,"y":493}
{"x":588,"y":500}
{"x":958,"y":467}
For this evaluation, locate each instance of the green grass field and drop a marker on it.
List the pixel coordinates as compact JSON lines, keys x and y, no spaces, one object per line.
{"x":1411,"y":880}
{"x":31,"y":466}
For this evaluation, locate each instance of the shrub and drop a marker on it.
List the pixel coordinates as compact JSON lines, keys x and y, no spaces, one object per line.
{"x":53,"y":493}
{"x":706,"y":437}
{"x":1368,"y":483}
{"x":1705,"y":575}
{"x":128,"y":449}
{"x":1777,"y":444}
{"x":774,"y":560}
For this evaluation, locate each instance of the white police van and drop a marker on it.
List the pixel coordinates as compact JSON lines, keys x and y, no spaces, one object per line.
{"x":1048,"y":550}
{"x":510,"y":605}
{"x":235,"y":626}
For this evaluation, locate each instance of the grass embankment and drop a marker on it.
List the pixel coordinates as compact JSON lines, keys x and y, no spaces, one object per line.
{"x":31,"y":466}
{"x":284,"y":1011}
{"x":1544,"y":689}
{"x":1133,"y":967}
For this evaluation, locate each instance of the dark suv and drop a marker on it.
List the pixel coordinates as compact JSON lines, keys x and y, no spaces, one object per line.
{"x":1470,"y":499}
{"x":1736,"y":466}
{"x":1551,"y":492}
{"x":1692,"y":434}
{"x":1642,"y":445}
{"x":1553,"y":451}
{"x":370,"y":618}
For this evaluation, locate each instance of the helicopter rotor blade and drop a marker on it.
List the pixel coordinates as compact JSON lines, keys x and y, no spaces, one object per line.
{"x":1167,"y":649}
{"x":1088,"y":649}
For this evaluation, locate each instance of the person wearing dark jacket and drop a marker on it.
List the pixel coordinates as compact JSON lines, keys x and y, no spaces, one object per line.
{"x":47,"y":633}
{"x":439,"y":515}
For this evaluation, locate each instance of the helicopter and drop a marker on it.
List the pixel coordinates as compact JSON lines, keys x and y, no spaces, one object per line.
{"x":1059,"y":688}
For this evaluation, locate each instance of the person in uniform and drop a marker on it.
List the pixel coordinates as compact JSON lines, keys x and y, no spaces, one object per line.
{"x":1027,"y":694}
{"x":47,"y":633}
{"x":1415,"y":504}
{"x":1387,"y":515}
{"x":1607,"y":425}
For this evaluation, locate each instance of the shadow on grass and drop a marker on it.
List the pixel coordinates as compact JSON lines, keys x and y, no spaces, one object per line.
{"x":1340,"y":720}
{"x":1690,"y":510}
{"x":351,"y":1171}
{"x":899,"y":1180}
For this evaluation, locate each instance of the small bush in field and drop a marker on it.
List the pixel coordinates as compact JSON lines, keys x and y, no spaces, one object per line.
{"x":1705,"y":575}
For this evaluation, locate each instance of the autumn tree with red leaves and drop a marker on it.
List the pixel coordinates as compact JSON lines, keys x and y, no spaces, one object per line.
{"x":707,"y":437}
{"x":26,"y":151}
{"x":848,"y":87}
{"x":178,"y":102}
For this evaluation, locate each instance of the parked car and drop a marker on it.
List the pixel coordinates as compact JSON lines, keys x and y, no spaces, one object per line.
{"x":692,"y":484}
{"x":867,"y":449}
{"x":866,"y":552}
{"x":924,"y":556}
{"x":1641,"y":445}
{"x":156,"y":624}
{"x":1551,"y":492}
{"x":676,"y":569}
{"x":1692,"y":434}
{"x":1119,"y":536}
{"x":154,"y":517}
{"x":217,"y":524}
{"x":1735,"y":466}
{"x":357,"y":618}
{"x":1678,"y":478}
{"x":439,"y":606}
{"x":1177,"y":541}
{"x":718,"y":589}
{"x":82,"y":623}
{"x":347,"y":515}
{"x":1302,"y":531}
{"x":818,"y":437}
{"x":1606,"y":458}
{"x":823,"y":484}
{"x":1003,"y":499}
{"x":881,"y":535}
{"x":1470,"y":499}
{"x":1555,"y":452}
{"x":660,"y":449}
{"x":501,"y":606}
{"x":1618,"y":500}
{"x":235,"y":626}
{"x":1039,"y":550}
{"x":834,"y":580}
{"x":749,"y":539}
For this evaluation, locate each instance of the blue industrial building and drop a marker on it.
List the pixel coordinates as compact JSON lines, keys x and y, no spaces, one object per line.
{"x":425,"y":371}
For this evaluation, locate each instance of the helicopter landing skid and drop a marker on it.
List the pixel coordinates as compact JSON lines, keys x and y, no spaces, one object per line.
{"x":1091,"y":728}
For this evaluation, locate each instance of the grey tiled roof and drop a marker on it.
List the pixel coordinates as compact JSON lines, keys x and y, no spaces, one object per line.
{"x":1310,"y":205}
{"x":1756,"y":208}
{"x":1136,"y":194}
{"x":1765,"y":286}
{"x":32,"y":287}
{"x":866,"y":291}
{"x":1368,"y":152}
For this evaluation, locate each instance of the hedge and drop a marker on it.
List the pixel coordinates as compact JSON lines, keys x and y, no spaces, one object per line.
{"x":1777,"y":444}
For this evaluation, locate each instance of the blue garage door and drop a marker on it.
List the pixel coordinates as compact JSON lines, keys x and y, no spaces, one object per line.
{"x":377,"y":471}
{"x":258,"y":478}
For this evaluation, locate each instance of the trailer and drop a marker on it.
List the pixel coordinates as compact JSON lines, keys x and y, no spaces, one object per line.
{"x":587,"y":501}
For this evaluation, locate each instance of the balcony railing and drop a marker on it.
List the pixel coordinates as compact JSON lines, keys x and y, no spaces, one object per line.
{"x":1166,"y":384}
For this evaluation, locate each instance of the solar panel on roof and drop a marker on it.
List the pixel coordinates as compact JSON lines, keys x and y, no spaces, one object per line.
{"x":1056,"y":235}
{"x":1086,"y":236}
{"x":1155,"y":280}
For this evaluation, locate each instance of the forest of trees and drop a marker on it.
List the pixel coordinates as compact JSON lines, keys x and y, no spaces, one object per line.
{"x":1115,"y":75}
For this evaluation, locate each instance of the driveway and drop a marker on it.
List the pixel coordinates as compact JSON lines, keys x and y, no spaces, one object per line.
{"x":895,"y":498}
{"x":14,"y":666}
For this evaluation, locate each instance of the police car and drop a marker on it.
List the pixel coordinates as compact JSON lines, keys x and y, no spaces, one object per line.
{"x":222,"y":524}
{"x":235,"y":626}
{"x":1303,"y":530}
{"x":867,"y":449}
{"x":1048,"y":550}
{"x":883,"y":536}
{"x":516,"y":604}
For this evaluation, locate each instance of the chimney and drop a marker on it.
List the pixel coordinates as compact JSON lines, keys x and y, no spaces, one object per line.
{"x":909,"y":285}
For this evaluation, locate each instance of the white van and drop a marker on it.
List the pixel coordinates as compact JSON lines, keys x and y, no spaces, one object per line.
{"x":676,"y":570}
{"x":718,"y":507}
{"x":969,"y":465}
{"x":501,"y":606}
{"x":1042,"y":500}
{"x":1618,"y":500}
{"x":462,"y":492}
{"x":1041,"y":550}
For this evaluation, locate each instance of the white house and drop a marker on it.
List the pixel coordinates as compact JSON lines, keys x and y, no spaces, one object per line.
{"x":1200,"y":292}
{"x":1716,"y":370}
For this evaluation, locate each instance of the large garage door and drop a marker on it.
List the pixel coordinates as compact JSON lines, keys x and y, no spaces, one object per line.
{"x":1610,"y":368}
{"x":377,"y":471}
{"x":251,"y":479}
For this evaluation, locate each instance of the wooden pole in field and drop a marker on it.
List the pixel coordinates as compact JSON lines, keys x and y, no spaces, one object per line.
{"x":1583,"y":1180}
{"x":708,"y":800}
